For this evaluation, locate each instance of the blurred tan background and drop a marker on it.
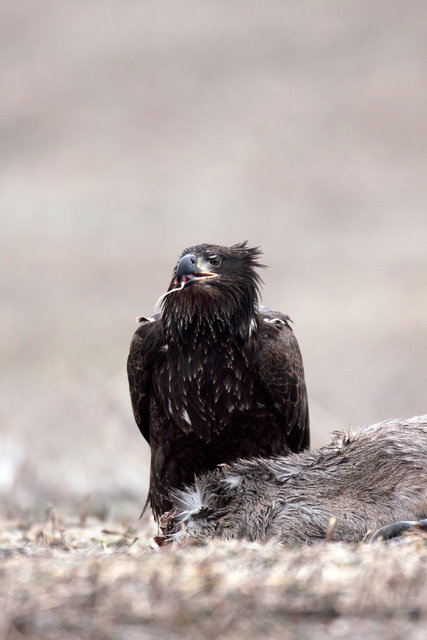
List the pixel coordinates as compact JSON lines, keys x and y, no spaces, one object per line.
{"x":130,"y":130}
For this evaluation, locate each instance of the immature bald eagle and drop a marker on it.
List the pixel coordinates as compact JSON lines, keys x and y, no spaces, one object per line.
{"x":214,"y":377}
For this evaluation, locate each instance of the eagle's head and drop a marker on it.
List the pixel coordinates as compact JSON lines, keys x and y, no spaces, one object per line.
{"x":211,"y":282}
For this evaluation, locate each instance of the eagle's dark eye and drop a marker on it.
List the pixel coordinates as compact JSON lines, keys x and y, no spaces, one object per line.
{"x":215,"y":261}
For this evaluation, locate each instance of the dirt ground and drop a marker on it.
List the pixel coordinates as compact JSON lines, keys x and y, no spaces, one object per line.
{"x":65,"y":580}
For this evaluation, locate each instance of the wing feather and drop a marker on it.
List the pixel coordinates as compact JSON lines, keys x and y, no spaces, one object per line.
{"x":282,"y":375}
{"x":142,"y":352}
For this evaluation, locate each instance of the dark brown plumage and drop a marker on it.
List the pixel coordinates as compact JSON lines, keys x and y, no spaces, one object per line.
{"x":214,"y":377}
{"x":362,"y":482}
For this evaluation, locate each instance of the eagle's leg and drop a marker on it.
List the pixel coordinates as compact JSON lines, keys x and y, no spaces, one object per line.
{"x":396,"y":529}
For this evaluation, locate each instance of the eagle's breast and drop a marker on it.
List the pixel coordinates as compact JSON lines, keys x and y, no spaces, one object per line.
{"x":201,"y":386}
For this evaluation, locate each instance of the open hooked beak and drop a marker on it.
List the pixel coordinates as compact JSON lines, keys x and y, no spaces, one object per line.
{"x":190,"y":270}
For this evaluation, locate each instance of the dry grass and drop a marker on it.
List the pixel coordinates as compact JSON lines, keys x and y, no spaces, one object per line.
{"x":65,"y":580}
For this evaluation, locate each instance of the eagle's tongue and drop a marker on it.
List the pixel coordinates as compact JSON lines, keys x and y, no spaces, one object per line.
{"x":183,"y":280}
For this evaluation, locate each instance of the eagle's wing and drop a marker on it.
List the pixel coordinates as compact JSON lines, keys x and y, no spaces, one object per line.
{"x":140,"y":360}
{"x":282,"y":375}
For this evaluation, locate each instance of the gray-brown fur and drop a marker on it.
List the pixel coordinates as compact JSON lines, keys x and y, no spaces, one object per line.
{"x":365,"y":481}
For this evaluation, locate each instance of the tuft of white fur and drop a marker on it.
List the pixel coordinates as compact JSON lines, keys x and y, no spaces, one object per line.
{"x":189,"y":501}
{"x":231,"y":480}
